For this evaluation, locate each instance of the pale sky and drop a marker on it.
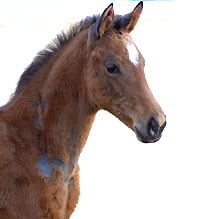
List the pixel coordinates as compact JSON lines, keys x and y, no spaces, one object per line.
{"x":46,"y":12}
{"x":24,"y":12}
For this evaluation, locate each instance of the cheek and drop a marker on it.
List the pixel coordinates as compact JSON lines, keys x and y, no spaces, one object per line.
{"x":96,"y":87}
{"x":103,"y":93}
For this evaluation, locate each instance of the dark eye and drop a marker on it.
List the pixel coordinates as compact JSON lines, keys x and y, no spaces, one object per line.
{"x":112,"y":68}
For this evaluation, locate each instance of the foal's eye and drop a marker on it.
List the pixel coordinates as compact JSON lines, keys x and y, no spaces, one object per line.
{"x":112,"y":68}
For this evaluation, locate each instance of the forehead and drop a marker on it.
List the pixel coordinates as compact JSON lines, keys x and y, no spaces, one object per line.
{"x":120,"y":45}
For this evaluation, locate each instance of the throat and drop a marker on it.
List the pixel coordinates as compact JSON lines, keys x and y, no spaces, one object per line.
{"x":66,"y":129}
{"x":64,"y":134}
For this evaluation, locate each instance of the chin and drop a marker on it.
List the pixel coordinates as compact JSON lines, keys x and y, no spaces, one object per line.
{"x":147,"y":138}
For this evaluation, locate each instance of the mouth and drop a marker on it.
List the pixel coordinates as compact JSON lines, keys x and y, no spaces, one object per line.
{"x":146,"y":138}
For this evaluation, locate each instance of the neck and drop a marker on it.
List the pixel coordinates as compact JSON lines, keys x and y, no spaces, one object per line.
{"x":54,"y":107}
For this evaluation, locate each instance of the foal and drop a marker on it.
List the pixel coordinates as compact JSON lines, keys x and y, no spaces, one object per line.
{"x":44,"y":127}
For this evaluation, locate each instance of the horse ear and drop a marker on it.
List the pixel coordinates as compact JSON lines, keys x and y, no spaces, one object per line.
{"x":106,"y":21}
{"x":131,"y":19}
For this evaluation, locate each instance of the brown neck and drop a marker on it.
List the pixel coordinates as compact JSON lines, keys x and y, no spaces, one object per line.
{"x":54,"y":106}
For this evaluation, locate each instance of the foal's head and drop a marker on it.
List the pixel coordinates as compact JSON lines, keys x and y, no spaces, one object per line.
{"x":116,"y":80}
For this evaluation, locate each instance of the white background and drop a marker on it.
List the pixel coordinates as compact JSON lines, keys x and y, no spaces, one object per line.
{"x":121,"y":177}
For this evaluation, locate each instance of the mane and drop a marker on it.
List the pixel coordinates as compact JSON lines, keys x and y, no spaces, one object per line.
{"x":61,"y":39}
{"x":45,"y":55}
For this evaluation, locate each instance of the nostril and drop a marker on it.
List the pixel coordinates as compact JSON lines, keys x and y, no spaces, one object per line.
{"x":152,"y":127}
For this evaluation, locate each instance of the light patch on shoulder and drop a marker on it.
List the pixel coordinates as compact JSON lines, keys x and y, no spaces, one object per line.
{"x":133,"y":53}
{"x":48,"y":165}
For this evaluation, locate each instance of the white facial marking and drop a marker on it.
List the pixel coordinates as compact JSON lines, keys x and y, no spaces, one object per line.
{"x":133,"y":53}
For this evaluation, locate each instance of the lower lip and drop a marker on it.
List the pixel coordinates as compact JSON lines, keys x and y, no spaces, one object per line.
{"x":143,"y":139}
